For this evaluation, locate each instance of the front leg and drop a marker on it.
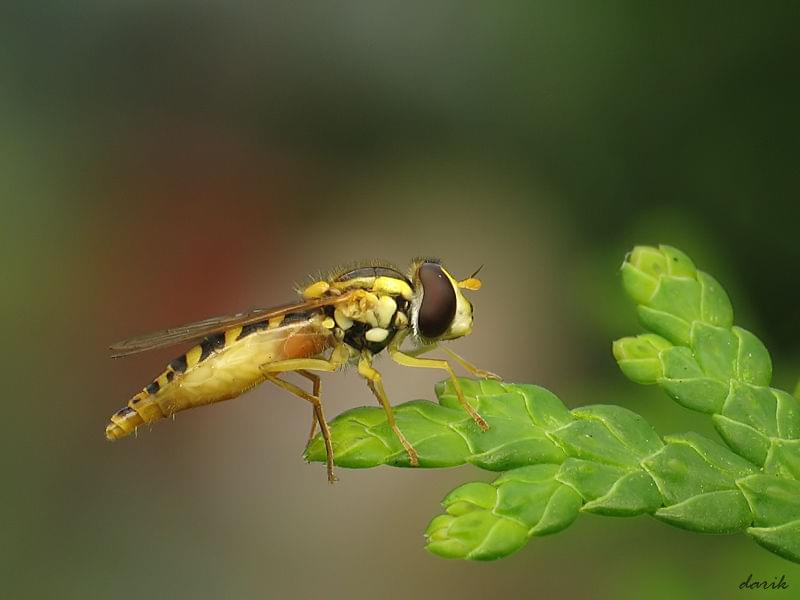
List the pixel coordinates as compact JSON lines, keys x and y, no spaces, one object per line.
{"x":408,"y":360}
{"x":469,"y":367}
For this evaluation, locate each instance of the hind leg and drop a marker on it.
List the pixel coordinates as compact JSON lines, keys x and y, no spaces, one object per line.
{"x":316,"y":386}
{"x":318,"y":414}
{"x":302,"y":366}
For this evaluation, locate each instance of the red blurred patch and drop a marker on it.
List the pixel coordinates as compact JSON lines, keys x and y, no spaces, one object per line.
{"x":186,"y":223}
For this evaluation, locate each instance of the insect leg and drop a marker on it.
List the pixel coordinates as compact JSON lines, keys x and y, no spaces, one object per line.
{"x":433,"y":363}
{"x":423,"y":350}
{"x":316,"y":388}
{"x":336,"y":360}
{"x":468,"y":366}
{"x":375,"y":384}
{"x":320,"y":416}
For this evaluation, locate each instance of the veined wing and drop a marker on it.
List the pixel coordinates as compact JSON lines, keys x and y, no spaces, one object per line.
{"x":200,"y":329}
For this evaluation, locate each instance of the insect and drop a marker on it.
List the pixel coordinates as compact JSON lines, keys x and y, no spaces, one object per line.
{"x":344,"y":319}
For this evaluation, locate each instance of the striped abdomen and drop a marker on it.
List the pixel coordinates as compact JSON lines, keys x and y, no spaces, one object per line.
{"x":221,"y":367}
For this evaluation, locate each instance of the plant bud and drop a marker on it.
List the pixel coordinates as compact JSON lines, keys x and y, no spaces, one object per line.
{"x":639,"y":357}
{"x":678,"y":264}
{"x":640,"y":272}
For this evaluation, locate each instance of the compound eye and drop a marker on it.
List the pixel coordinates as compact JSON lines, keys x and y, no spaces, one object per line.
{"x":438,"y":308}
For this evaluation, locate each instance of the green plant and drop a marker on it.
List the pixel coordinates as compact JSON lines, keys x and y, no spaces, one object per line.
{"x":605,"y":459}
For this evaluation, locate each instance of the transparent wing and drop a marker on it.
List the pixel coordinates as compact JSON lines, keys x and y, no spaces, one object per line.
{"x":194,"y":331}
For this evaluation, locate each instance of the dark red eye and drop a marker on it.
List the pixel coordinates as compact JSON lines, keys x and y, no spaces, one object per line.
{"x":438,"y":306}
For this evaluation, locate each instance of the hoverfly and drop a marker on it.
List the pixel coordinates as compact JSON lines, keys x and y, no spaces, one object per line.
{"x":346,"y":318}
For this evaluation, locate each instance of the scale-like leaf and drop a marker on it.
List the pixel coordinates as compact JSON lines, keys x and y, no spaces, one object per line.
{"x":606,"y":459}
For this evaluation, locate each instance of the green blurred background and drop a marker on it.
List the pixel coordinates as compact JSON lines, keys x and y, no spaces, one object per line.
{"x":166,"y":161}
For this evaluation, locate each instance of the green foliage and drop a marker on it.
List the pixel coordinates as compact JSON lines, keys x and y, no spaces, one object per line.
{"x":607,"y":460}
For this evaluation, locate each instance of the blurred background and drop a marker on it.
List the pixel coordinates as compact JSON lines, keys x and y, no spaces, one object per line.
{"x":167,"y":161}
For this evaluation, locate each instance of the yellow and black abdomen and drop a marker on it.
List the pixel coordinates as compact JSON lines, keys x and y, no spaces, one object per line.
{"x":222,"y":367}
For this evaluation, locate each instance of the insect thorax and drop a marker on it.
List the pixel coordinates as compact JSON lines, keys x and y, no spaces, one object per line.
{"x":374,"y":328}
{"x":372,"y":322}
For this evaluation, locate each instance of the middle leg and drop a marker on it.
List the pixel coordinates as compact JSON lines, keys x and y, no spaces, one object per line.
{"x":375,"y":384}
